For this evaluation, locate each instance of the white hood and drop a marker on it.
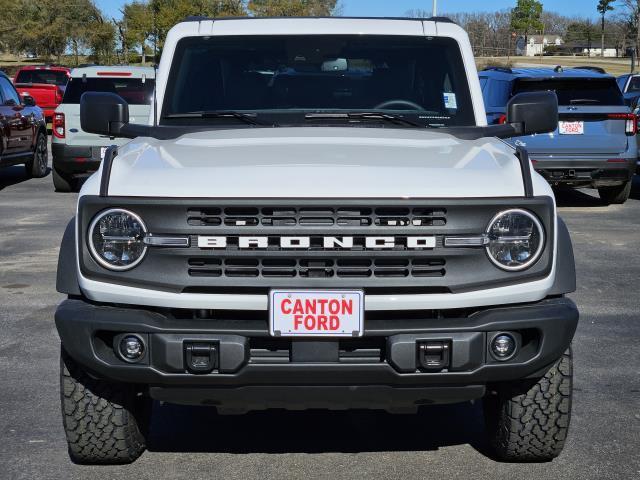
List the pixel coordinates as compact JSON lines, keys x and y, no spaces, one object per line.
{"x":315,"y":162}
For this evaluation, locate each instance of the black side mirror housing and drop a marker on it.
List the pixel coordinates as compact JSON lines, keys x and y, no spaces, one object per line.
{"x":103,"y":113}
{"x":28,"y":101}
{"x":533,"y":112}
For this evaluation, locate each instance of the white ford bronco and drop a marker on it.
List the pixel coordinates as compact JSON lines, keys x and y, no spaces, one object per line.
{"x":316,"y":215}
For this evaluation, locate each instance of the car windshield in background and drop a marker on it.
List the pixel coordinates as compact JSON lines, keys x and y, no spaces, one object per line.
{"x":50,"y":77}
{"x":132,"y":90}
{"x":423,"y":79}
{"x":576,"y":91}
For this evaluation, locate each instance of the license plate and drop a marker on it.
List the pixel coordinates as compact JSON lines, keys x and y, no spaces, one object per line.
{"x":571,"y":128}
{"x":316,"y":313}
{"x":103,"y":151}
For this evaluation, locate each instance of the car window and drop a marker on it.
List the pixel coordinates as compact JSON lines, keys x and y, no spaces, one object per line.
{"x":634,"y":85}
{"x":132,"y":90}
{"x":575,"y":91}
{"x":50,"y":77}
{"x":277,"y":74}
{"x":9,"y":94}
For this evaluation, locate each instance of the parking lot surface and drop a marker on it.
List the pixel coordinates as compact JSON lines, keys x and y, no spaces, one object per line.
{"x":440,"y":442}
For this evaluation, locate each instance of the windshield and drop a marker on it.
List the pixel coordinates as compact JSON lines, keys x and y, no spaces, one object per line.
{"x":576,"y":91}
{"x":277,"y":76}
{"x":132,"y":90}
{"x":50,"y":77}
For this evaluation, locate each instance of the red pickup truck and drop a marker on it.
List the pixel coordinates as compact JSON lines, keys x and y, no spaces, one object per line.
{"x":46,"y":84}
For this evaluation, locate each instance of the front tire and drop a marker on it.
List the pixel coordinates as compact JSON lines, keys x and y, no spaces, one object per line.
{"x":38,"y":165}
{"x":615,"y":195}
{"x":104,"y":422}
{"x":529,"y":421}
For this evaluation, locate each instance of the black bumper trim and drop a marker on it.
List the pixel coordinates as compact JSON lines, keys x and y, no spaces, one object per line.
{"x":81,"y":324}
{"x":64,"y":158}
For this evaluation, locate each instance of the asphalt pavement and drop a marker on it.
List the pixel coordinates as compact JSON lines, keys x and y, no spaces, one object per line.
{"x":440,"y":442}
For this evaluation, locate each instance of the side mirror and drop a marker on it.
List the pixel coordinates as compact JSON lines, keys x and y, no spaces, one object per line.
{"x":103,"y":113}
{"x":28,"y":101}
{"x":533,"y":112}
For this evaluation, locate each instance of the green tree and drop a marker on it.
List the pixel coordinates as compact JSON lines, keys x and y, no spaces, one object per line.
{"x":166,"y":13}
{"x":603,"y":7}
{"x":581,"y":33}
{"x":292,"y":8}
{"x":138,"y":26}
{"x":526,"y":17}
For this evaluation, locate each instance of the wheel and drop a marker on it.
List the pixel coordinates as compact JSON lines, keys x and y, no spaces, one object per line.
{"x":38,"y":165}
{"x":61,"y":183}
{"x":529,"y":421}
{"x":104,"y":422}
{"x":615,"y":195}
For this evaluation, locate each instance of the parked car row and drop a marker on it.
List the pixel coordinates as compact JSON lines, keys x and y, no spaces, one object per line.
{"x":42,"y":95}
{"x":594,"y":144}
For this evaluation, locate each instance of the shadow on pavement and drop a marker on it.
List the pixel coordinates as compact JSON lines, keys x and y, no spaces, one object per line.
{"x":13,"y":176}
{"x":569,"y":197}
{"x":199,"y":429}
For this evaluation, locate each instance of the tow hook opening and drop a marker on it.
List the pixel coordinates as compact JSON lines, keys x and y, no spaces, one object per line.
{"x":434,"y":356}
{"x":201,"y":357}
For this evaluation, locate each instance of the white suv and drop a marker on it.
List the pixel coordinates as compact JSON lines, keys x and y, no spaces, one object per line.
{"x":76,"y":153}
{"x":319,"y":217}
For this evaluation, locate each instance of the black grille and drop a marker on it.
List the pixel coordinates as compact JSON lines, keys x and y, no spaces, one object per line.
{"x":290,"y":267}
{"x":348,"y":263}
{"x":353,"y":216}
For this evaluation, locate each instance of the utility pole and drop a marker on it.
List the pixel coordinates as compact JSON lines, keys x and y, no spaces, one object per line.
{"x":435,"y":8}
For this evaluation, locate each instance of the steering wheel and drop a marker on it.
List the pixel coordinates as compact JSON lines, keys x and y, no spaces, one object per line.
{"x":400,"y":103}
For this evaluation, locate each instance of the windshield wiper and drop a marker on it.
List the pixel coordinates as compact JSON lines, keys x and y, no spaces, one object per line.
{"x":387,"y":117}
{"x":243,"y":117}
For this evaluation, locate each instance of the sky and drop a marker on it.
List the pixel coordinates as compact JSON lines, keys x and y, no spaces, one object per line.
{"x":395,"y":8}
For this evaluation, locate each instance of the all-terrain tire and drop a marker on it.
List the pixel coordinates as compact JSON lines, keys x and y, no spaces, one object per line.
{"x":104,"y":422}
{"x":529,"y":421}
{"x":38,"y":165}
{"x":615,"y":195}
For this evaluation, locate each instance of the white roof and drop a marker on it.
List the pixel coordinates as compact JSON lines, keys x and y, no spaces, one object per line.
{"x":113,"y":71}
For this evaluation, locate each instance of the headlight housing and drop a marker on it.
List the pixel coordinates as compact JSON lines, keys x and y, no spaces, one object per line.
{"x":116,"y":239}
{"x":515,"y":239}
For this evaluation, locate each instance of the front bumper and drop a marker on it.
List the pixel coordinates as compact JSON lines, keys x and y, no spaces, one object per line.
{"x":585,"y":172}
{"x":75,"y":161}
{"x":255,"y":371}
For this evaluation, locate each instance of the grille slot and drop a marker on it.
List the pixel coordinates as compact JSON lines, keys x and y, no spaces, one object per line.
{"x":289,"y":267}
{"x":286,"y":216}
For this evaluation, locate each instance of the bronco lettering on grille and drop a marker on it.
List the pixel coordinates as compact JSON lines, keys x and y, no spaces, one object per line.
{"x":306,"y":242}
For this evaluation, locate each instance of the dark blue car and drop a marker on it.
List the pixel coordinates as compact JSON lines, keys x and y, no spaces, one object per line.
{"x":595,"y":142}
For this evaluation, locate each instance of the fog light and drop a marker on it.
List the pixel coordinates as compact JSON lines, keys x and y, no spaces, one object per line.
{"x":131,"y":348}
{"x":503,"y":346}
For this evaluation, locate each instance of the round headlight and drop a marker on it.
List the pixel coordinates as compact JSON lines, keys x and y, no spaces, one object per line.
{"x":515,"y":239}
{"x":116,"y":239}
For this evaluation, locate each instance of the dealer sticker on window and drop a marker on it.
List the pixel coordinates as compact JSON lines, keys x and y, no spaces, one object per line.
{"x":450,"y":100}
{"x":316,"y":313}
